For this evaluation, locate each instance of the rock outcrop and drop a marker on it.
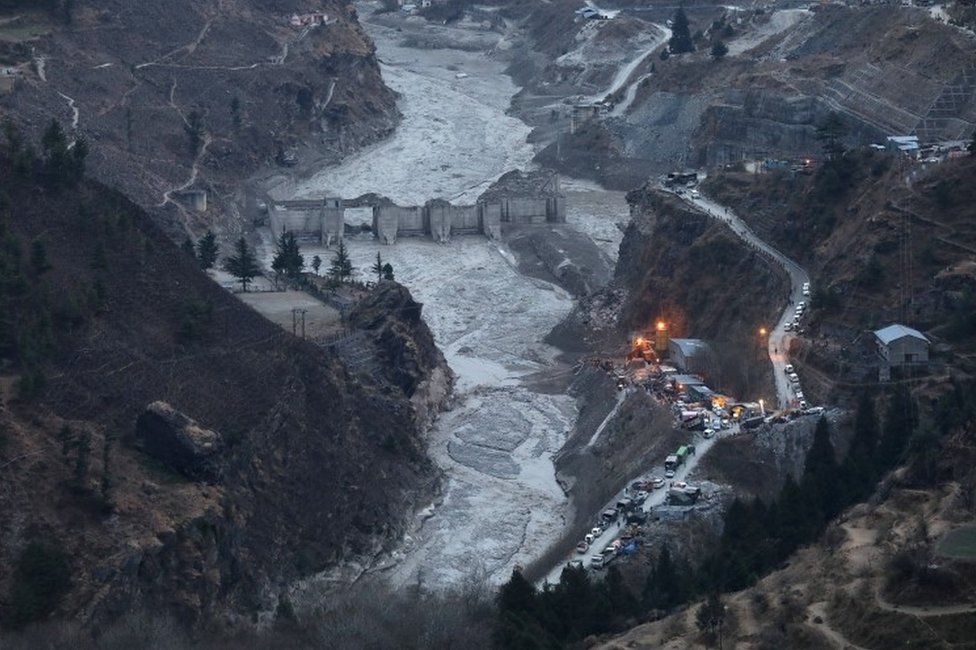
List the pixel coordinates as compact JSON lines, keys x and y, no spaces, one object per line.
{"x":180,"y":443}
{"x":408,"y":356}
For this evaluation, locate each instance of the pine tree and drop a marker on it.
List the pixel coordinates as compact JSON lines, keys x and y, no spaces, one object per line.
{"x":341,"y":267}
{"x":316,"y":264}
{"x":58,"y":165}
{"x":711,"y":616}
{"x":207,"y":250}
{"x":719,"y":49}
{"x":288,"y":258}
{"x":388,"y":272}
{"x":194,"y":131}
{"x":188,"y":247}
{"x":680,"y":34}
{"x":860,"y":470}
{"x":831,"y":134}
{"x":899,"y":422}
{"x":377,"y":267}
{"x":79,"y":155}
{"x":821,"y":475}
{"x":243,"y":265}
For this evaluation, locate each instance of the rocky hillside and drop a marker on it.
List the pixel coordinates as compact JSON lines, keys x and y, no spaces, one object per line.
{"x":167,"y":447}
{"x":196,"y":94}
{"x":886,"y":241}
{"x":885,"y":70}
{"x":682,"y":266}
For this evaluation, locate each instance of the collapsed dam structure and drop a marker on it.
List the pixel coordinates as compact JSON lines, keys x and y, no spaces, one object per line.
{"x":516,"y":198}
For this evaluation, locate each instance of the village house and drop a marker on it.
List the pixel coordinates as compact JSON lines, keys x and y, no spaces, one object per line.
{"x":900,"y":345}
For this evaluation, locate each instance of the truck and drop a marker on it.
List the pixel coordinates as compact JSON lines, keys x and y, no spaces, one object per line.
{"x":671,"y":463}
{"x":682,"y":454}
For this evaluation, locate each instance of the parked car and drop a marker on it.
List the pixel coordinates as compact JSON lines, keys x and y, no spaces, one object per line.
{"x":641,"y":497}
{"x":788,"y":327}
{"x":669,"y":474}
{"x":657,"y":482}
{"x":794,"y":378}
{"x":582,"y":547}
{"x":596,"y":532}
{"x":788,"y":369}
{"x":803,"y":404}
{"x":708,"y":433}
{"x":589,"y":538}
{"x":596,"y":561}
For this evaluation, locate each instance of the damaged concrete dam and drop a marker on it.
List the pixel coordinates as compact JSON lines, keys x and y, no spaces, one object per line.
{"x":500,"y":503}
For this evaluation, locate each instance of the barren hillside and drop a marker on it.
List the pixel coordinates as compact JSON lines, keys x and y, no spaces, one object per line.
{"x":197,"y":94}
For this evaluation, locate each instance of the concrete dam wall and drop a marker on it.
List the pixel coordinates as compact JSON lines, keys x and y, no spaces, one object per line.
{"x":322,"y":220}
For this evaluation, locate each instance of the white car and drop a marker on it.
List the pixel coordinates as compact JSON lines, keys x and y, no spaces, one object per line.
{"x":802,"y":304}
{"x":788,"y":327}
{"x":669,"y":474}
{"x":596,"y":561}
{"x":708,"y":433}
{"x":803,"y":404}
{"x":794,"y":378}
{"x":657,"y":482}
{"x":788,"y":369}
{"x":582,"y":547}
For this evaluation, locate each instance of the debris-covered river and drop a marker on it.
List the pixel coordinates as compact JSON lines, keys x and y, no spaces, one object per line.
{"x":501,"y":503}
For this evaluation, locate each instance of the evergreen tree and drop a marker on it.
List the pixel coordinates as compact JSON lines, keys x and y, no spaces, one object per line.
{"x":860,"y":470}
{"x":79,"y":155}
{"x":663,"y":587}
{"x":711,"y":616}
{"x":188,"y":247}
{"x":194,"y":131}
{"x":719,"y":49}
{"x":288,"y":258}
{"x":972,"y":145}
{"x":831,"y":134}
{"x":207,"y":250}
{"x":316,"y":264}
{"x":821,"y":475}
{"x":377,"y":267}
{"x":58,"y":163}
{"x":243,"y":265}
{"x":388,"y":272}
{"x":680,"y":34}
{"x":341,"y":267}
{"x":899,"y":422}
{"x":621,"y":600}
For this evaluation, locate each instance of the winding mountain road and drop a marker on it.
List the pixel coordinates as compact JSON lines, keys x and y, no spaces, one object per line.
{"x":778,"y":339}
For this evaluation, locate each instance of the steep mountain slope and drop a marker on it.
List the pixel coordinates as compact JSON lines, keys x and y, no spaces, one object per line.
{"x":103,"y":316}
{"x":198,"y":94}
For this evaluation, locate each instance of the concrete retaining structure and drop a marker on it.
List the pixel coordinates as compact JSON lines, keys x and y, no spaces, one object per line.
{"x":323,"y":219}
{"x":318,"y":219}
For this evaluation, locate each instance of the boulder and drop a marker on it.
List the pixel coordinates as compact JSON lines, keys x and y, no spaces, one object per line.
{"x":180,"y":443}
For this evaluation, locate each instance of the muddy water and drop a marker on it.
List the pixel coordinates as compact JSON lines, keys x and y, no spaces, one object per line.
{"x":501,"y":504}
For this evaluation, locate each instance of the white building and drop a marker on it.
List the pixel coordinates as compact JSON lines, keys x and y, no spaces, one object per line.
{"x":900,"y":345}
